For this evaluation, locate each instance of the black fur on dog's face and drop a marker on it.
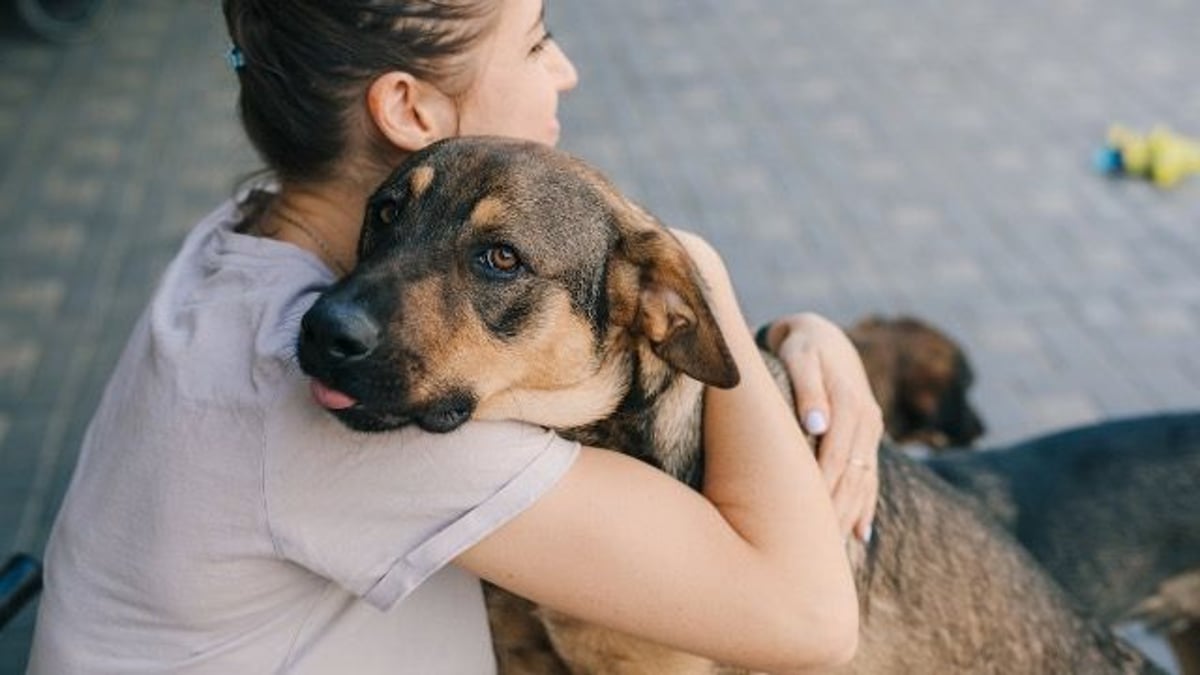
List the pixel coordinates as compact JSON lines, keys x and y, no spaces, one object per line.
{"x":497,"y":279}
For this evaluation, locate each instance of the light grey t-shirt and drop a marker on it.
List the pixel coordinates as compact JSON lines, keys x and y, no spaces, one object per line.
{"x":219,"y":521}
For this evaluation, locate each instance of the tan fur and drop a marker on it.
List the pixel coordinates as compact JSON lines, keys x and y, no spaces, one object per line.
{"x":1175,"y":602}
{"x":679,"y":423}
{"x":528,"y":379}
{"x":422,"y":178}
{"x":488,"y":211}
{"x":590,"y":399}
{"x":451,"y":346}
{"x":591,"y":650}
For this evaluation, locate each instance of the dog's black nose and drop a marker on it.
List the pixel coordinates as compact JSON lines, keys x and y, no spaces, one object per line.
{"x":339,"y":330}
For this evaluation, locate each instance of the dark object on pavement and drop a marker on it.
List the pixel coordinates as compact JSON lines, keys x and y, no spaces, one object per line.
{"x":20,"y":581}
{"x":59,"y":20}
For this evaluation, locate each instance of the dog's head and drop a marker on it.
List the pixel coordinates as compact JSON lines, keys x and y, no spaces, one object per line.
{"x":503,"y":279}
{"x":921,"y":379}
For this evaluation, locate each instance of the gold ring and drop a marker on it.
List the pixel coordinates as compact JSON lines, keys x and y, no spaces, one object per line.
{"x":860,"y":463}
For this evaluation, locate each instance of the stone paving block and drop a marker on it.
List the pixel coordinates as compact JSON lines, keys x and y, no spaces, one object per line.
{"x":52,"y":241}
{"x":32,"y":297}
{"x":1170,"y":383}
{"x":1004,"y":413}
{"x":19,"y":357}
{"x":1164,"y":323}
{"x":1057,"y":410}
{"x":15,"y":639}
{"x":1011,"y":338}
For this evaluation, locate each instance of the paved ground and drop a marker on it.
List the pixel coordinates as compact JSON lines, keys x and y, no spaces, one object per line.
{"x":847,"y":156}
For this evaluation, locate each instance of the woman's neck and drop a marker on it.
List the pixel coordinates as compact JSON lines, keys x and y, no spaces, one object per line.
{"x":324,"y":219}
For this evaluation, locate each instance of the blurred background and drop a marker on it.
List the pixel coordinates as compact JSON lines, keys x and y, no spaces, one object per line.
{"x":846,"y":156}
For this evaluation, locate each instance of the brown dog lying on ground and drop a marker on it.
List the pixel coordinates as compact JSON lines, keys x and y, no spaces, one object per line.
{"x":943,"y":589}
{"x":920,"y":378}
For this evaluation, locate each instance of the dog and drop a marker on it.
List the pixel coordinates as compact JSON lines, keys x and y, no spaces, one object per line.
{"x":1111,"y":511}
{"x":505,"y":279}
{"x":920,"y":378}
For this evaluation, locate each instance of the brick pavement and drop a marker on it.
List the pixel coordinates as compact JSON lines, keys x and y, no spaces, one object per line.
{"x":846,"y":156}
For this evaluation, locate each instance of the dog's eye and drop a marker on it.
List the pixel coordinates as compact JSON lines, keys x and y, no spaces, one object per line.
{"x":500,"y":260}
{"x":387,"y":214}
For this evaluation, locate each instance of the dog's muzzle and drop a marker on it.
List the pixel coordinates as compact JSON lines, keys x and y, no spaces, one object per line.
{"x":342,"y":347}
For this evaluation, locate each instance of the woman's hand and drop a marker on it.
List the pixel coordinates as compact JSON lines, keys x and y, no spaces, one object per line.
{"x":835,"y":404}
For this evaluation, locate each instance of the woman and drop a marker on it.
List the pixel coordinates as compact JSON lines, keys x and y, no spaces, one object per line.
{"x":220,"y":521}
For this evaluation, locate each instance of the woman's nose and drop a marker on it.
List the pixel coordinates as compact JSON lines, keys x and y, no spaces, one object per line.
{"x":563,"y":69}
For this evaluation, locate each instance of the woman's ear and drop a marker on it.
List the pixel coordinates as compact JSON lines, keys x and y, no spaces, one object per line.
{"x":409,"y":112}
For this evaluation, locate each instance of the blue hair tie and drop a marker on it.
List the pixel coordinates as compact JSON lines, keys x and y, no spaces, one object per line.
{"x":235,"y":58}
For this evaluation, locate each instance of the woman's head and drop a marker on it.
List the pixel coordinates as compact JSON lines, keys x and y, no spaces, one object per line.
{"x":334,"y":85}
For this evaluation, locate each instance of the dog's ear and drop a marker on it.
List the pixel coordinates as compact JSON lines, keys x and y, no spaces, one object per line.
{"x":668,"y":304}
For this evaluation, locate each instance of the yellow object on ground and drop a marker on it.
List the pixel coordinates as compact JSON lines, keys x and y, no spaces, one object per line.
{"x":1172,"y":157}
{"x":1161,"y":156}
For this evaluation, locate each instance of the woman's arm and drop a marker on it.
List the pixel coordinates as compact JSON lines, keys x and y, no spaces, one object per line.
{"x":751,"y":573}
{"x":835,"y":403}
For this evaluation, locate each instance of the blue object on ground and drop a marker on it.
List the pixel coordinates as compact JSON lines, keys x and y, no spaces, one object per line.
{"x":20,"y":581}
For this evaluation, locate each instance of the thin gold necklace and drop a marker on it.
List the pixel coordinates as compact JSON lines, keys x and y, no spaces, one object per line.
{"x":340,"y":268}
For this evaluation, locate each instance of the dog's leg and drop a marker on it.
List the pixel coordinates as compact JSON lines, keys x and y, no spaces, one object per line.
{"x":520,"y":641}
{"x":592,"y":650}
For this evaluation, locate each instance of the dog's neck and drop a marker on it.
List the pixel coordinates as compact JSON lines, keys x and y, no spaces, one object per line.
{"x":657,"y":418}
{"x":657,"y":414}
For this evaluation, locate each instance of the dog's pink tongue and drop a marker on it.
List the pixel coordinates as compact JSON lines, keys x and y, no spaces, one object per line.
{"x":330,"y":398}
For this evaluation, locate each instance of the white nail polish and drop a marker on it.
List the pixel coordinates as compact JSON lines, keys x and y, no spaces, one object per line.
{"x":815,"y":422}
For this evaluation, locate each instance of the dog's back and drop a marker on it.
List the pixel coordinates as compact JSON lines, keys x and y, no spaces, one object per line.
{"x":1112,"y":511}
{"x":945,"y":590}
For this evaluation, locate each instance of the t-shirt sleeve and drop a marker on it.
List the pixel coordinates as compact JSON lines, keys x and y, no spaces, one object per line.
{"x":379,"y":513}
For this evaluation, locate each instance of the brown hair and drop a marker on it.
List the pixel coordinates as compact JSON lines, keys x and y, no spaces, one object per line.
{"x":304,"y":67}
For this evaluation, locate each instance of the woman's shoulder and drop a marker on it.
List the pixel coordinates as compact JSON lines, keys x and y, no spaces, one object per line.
{"x":227,"y":309}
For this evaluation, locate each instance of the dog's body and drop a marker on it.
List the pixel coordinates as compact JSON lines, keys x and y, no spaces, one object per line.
{"x":1112,"y":511}
{"x":587,"y":322}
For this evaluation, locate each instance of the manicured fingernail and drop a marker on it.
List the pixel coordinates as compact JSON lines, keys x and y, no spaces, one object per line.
{"x":815,"y":422}
{"x":866,"y":535}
